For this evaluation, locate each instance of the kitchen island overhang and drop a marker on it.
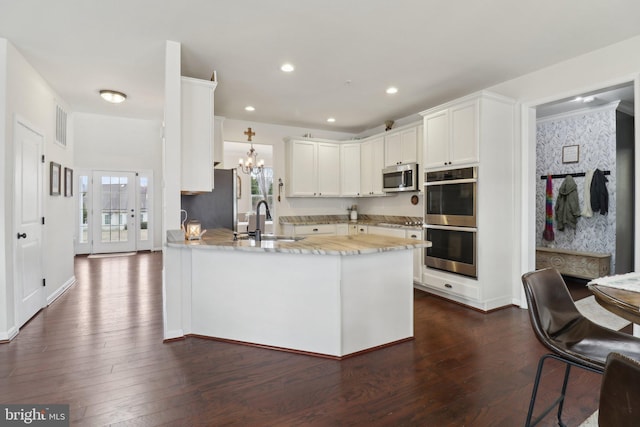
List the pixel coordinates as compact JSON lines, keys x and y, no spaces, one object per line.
{"x":330,"y":296}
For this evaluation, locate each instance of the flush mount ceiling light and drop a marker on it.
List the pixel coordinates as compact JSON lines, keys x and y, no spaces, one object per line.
{"x":112,"y":96}
{"x":249,"y":108}
{"x":391,"y":90}
{"x":287,"y":68}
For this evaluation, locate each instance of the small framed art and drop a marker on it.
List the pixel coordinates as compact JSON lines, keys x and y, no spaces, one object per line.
{"x":55,"y":178}
{"x":68,"y":182}
{"x":571,"y":154}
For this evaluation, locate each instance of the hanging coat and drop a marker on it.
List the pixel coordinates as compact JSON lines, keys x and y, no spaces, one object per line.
{"x":548,"y":207}
{"x":567,"y":205}
{"x":599,"y":193}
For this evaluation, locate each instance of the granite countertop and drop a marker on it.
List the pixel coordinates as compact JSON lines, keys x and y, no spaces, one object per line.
{"x":408,"y":222}
{"x":222,"y":239}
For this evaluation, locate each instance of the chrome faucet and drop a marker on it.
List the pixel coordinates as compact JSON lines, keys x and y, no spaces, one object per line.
{"x":258,"y":236}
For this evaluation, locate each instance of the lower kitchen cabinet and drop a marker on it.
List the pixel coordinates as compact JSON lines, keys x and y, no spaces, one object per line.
{"x":309,"y":230}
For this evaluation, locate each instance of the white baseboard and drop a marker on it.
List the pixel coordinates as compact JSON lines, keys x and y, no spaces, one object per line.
{"x":56,"y":294}
{"x":170,"y":335}
{"x":9,"y":335}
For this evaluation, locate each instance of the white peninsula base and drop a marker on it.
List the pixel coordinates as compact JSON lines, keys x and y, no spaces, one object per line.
{"x":326,"y":305}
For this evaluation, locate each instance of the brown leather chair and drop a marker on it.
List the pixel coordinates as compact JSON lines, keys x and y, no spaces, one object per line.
{"x":571,"y":337}
{"x":620,"y":392}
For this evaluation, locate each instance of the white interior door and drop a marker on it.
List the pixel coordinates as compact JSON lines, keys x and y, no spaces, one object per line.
{"x":30,"y":295}
{"x":114,"y":212}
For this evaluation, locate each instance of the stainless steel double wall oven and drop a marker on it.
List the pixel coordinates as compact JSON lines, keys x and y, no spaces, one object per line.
{"x":450,"y":220}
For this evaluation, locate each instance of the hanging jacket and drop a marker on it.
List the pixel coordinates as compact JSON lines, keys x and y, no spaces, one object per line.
{"x":567,"y":205}
{"x":599,"y":193}
{"x":586,"y":201}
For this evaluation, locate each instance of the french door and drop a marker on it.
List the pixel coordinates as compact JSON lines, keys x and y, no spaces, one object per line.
{"x":114,"y":211}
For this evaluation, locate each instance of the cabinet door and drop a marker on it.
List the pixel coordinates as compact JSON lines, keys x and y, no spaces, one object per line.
{"x":417,"y":255}
{"x":366,"y":168}
{"x":302,"y":167}
{"x":377,"y":163}
{"x":350,"y":169}
{"x":409,"y":145}
{"x":464,"y":133}
{"x":197,"y":135}
{"x":392,"y":149}
{"x":386,"y":231}
{"x":436,"y":135}
{"x":328,"y":169}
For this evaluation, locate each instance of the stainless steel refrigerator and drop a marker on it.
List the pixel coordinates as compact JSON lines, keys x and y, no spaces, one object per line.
{"x":218,"y":208}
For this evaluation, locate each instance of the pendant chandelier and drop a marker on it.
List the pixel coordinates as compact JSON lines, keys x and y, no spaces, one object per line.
{"x":251,"y":165}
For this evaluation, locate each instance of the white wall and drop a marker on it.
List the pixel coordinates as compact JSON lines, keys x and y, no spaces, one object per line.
{"x":122,"y":144}
{"x":29,"y":96}
{"x":6,"y":294}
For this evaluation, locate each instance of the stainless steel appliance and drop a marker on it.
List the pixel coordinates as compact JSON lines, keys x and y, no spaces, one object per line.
{"x":402,"y":177}
{"x":451,"y":197}
{"x":218,"y":208}
{"x":453,"y":249}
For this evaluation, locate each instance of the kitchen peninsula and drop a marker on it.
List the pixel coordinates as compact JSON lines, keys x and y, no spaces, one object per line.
{"x":329,"y":296}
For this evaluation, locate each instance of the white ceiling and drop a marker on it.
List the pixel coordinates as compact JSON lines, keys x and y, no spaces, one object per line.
{"x":346,"y":52}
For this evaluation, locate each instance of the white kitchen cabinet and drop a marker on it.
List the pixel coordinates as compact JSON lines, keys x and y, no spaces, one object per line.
{"x":371,"y":165}
{"x":218,"y":140}
{"x":417,"y":254}
{"x":310,"y":230}
{"x":488,"y":120}
{"x":197,"y":135}
{"x":350,"y":169}
{"x":386,"y":231}
{"x":313,"y":169}
{"x":401,"y":146}
{"x":452,"y":134}
{"x":357,"y":229}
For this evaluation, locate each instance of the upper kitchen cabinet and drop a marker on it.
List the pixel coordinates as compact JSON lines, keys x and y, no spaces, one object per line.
{"x":371,"y":165}
{"x":313,"y":168}
{"x":401,"y":146}
{"x":452,"y":134}
{"x":197,"y":127}
{"x":350,"y":169}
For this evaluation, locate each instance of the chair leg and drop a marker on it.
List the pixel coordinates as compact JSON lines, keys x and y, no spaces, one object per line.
{"x":563,"y":394}
{"x":558,"y":402}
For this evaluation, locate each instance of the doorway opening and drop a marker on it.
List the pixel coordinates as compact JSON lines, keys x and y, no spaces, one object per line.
{"x":594,"y":130}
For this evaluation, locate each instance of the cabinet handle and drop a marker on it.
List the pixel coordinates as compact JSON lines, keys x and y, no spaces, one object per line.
{"x":22,"y":235}
{"x":446,"y":285}
{"x":413,"y":236}
{"x":315,"y":229}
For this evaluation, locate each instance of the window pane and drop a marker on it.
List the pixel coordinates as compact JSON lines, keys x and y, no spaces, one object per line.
{"x":83,"y":186}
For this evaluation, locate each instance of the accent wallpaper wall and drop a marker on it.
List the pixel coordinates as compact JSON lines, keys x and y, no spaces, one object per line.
{"x":595,"y":134}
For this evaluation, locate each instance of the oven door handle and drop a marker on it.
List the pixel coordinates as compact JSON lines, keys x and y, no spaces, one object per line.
{"x":453,"y":181}
{"x":451,"y":228}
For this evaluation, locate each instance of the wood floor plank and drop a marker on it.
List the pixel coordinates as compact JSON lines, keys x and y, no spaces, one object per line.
{"x":99,"y":349}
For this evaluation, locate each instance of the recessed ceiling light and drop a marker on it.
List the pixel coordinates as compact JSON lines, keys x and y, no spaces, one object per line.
{"x":331,"y":119}
{"x":391,"y":90}
{"x":287,"y":68}
{"x":112,"y":96}
{"x":249,"y":108}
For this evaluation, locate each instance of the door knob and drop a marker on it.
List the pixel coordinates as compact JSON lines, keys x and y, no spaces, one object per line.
{"x":22,"y":235}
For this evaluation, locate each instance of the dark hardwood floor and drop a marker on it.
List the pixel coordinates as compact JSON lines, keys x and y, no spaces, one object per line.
{"x":99,"y":349}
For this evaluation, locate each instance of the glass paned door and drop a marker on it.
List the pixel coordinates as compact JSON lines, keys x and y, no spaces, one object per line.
{"x":115,"y":214}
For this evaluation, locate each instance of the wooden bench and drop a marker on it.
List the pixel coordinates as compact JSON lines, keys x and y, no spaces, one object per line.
{"x":584,"y":265}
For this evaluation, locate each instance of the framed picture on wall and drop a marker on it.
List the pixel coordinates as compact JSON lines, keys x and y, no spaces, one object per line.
{"x":571,"y":154}
{"x":55,"y":177}
{"x":68,"y":182}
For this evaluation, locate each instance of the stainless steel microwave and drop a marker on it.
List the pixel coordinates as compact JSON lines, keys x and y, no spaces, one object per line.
{"x":403,"y":177}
